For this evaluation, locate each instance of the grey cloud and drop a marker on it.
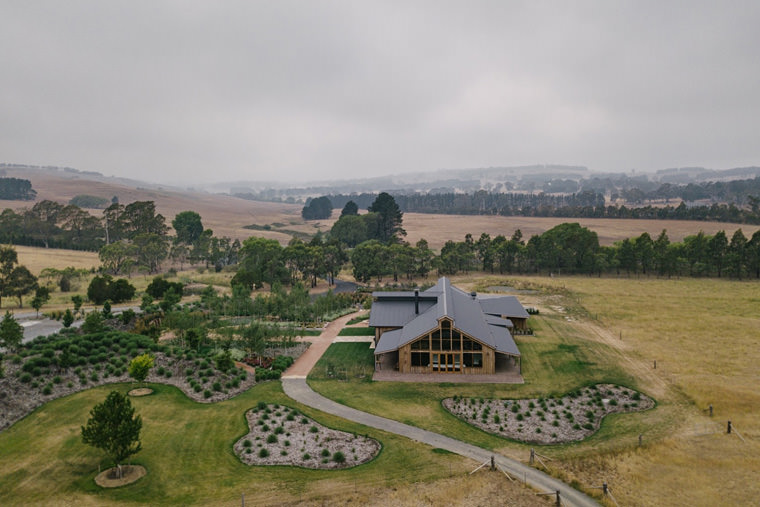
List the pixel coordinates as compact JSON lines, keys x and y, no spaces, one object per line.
{"x":262,"y":90}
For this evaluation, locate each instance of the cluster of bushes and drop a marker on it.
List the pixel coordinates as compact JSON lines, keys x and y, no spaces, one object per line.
{"x":160,"y":286}
{"x":279,"y":365}
{"x":90,"y":357}
{"x":104,"y":288}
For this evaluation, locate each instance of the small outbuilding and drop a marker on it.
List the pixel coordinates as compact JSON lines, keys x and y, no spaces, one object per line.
{"x":445,"y":329}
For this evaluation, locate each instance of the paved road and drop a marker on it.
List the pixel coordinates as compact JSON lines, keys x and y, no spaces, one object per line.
{"x":294,"y":384}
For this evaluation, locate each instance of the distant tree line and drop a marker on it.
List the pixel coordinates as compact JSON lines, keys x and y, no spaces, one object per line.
{"x":373,"y":242}
{"x":90,"y":201}
{"x":16,"y":189}
{"x":584,"y":204}
{"x":565,"y":249}
{"x":127,"y":237}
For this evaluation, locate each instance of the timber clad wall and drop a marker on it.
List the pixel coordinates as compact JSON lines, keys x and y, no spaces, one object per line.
{"x":454,"y":363}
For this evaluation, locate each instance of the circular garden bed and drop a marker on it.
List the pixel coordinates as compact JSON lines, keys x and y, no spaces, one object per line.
{"x":280,"y":435}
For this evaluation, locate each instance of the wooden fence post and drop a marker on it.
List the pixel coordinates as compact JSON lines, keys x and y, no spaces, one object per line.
{"x":640,"y":438}
{"x":711,"y":410}
{"x":493,"y":464}
{"x":728,"y":428}
{"x":533,"y":453}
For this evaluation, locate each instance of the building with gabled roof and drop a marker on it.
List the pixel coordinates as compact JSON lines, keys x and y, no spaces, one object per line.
{"x":445,"y":329}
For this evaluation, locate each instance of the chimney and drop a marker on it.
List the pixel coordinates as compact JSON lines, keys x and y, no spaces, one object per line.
{"x":416,"y":301}
{"x":474,"y":295}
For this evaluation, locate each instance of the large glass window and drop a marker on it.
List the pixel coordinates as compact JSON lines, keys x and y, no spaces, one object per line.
{"x":420,"y":358}
{"x":436,"y":340}
{"x":421,"y":344}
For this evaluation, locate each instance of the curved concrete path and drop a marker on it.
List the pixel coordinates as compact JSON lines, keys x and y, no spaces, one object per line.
{"x":295,"y":386}
{"x":297,"y":389}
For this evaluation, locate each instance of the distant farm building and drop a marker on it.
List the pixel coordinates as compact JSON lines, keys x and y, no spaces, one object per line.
{"x":445,"y":329}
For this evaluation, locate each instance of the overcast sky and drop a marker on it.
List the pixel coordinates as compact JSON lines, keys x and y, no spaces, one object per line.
{"x":305,"y":90}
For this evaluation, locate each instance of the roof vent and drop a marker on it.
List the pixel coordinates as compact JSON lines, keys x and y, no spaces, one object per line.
{"x":416,"y":301}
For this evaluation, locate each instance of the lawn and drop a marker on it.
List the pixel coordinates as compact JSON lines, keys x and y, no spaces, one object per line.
{"x":357,"y":331}
{"x":187,"y":450}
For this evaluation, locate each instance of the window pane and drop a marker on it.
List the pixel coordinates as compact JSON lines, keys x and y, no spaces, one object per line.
{"x":477,"y":360}
{"x":420,"y":358}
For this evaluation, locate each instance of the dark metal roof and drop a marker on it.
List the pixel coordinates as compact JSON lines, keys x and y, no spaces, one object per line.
{"x":395,"y":313}
{"x":503,"y":306}
{"x":463,"y":309}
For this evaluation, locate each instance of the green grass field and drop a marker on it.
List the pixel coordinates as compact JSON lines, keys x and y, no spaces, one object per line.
{"x":187,"y":450}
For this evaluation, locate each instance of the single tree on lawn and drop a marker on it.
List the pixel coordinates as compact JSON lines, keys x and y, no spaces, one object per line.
{"x":140,"y":366}
{"x":114,"y":427}
{"x":11,"y":332}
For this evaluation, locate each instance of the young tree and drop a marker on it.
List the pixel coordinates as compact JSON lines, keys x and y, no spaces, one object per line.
{"x":41,"y":296}
{"x":77,"y":300}
{"x":171,"y":298}
{"x":93,"y":323}
{"x":107,"y":314}
{"x":11,"y":332}
{"x":68,"y":318}
{"x":114,"y":427}
{"x":140,"y":366}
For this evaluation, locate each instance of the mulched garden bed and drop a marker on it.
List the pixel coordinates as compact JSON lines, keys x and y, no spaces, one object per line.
{"x":573,"y":417}
{"x":17,"y":398}
{"x":283,"y":436}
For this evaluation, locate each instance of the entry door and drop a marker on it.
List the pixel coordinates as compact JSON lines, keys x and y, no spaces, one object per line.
{"x":447,"y":363}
